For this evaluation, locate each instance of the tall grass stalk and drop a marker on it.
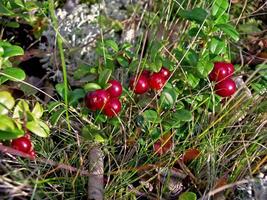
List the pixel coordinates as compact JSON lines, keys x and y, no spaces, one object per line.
{"x":61,"y":52}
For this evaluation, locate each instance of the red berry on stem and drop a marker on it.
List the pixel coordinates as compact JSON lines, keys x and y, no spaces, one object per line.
{"x":97,"y":99}
{"x":112,"y":108}
{"x":225,"y":88}
{"x":115,"y":88}
{"x":145,"y":73}
{"x":156,"y":81}
{"x":89,"y":99}
{"x":22,"y":144}
{"x":140,"y":85}
{"x":32,"y":154}
{"x":27,"y":135}
{"x":165,"y":72}
{"x":221,"y":71}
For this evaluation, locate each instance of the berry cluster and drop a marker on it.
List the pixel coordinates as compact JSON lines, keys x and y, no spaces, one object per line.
{"x":141,"y":84}
{"x":105,"y":100}
{"x":24,"y":145}
{"x":221,"y":74}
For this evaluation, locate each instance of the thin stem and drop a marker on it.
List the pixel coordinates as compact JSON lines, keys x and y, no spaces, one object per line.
{"x":61,"y":52}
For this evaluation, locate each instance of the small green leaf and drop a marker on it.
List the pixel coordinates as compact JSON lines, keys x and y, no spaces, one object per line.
{"x":197,"y":14}
{"x":192,"y":80}
{"x":6,"y":102}
{"x":112,"y":44}
{"x":6,"y":123}
{"x":57,"y":115}
{"x":4,"y":10}
{"x":168,"y":97}
{"x":75,"y":96}
{"x":60,"y":89}
{"x":193,"y":32}
{"x":217,"y":46}
{"x":249,"y":28}
{"x":92,"y":134}
{"x":13,"y":24}
{"x":192,"y":57}
{"x":38,"y":127}
{"x":122,"y":61}
{"x":1,"y":52}
{"x":104,"y":77}
{"x":229,"y":30}
{"x":151,"y":116}
{"x":82,"y":71}
{"x":20,"y":109}
{"x":13,"y":50}
{"x":13,"y":74}
{"x":19,"y":3}
{"x":8,"y":130}
{"x":219,"y":8}
{"x":91,"y":87}
{"x":262,"y":70}
{"x":188,"y":196}
{"x":182,"y":115}
{"x":155,"y":133}
{"x":205,"y":65}
{"x":54,"y":105}
{"x":37,"y":111}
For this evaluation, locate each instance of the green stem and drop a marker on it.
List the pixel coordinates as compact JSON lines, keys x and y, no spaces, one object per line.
{"x":61,"y":52}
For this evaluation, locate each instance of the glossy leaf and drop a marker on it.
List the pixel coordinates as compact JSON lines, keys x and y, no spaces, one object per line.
{"x":6,"y":102}
{"x":57,"y":115}
{"x":20,"y":109}
{"x":13,"y":50}
{"x":8,"y":129}
{"x":13,"y":74}
{"x":60,"y":89}
{"x":197,"y":14}
{"x":217,"y":46}
{"x":104,"y":77}
{"x":168,"y":97}
{"x":38,"y":127}
{"x":89,"y":87}
{"x":262,"y":70}
{"x":192,"y":80}
{"x":219,"y":7}
{"x":37,"y":111}
{"x":112,"y":44}
{"x":151,"y":116}
{"x":182,"y":115}
{"x":229,"y":30}
{"x":188,"y":196}
{"x":75,"y":96}
{"x":92,"y":134}
{"x":4,"y":10}
{"x":122,"y":61}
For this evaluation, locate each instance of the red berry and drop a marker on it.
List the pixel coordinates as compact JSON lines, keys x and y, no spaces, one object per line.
{"x":139,"y":86}
{"x":97,"y":99}
{"x":115,"y":88}
{"x":145,"y":73}
{"x":113,"y":107}
{"x":27,"y":135}
{"x":88,"y":99}
{"x":221,"y":71}
{"x":22,"y":144}
{"x":156,"y":81}
{"x":165,"y":72}
{"x":225,"y":88}
{"x":32,"y":154}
